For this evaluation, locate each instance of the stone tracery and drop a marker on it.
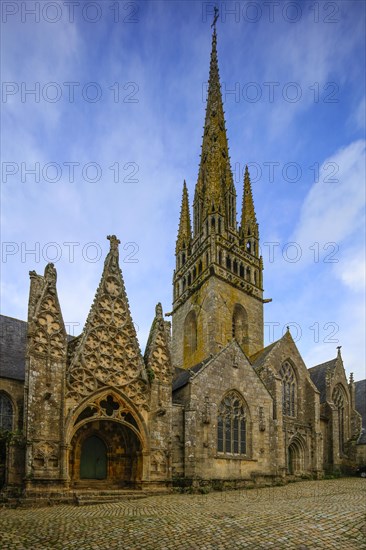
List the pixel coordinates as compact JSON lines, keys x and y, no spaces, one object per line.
{"x":108,"y":353}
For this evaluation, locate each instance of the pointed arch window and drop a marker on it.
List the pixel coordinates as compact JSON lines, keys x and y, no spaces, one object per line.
{"x":339,"y":400}
{"x":289,"y":389}
{"x":232,"y":425}
{"x":6,"y":413}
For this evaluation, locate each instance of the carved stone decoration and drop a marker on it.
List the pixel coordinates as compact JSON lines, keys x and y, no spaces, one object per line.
{"x":108,"y":407}
{"x":206,"y":415}
{"x":262,"y":422}
{"x":108,"y":352}
{"x":46,"y":328}
{"x":158,"y":462}
{"x":45,"y":456}
{"x":157,"y":354}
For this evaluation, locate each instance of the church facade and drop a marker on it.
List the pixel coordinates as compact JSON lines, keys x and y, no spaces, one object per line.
{"x":207,"y":403}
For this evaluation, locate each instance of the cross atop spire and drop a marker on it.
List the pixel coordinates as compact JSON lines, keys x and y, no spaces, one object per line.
{"x":216,"y":16}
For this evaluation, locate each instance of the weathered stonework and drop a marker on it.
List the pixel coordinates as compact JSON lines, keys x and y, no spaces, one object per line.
{"x":207,"y":403}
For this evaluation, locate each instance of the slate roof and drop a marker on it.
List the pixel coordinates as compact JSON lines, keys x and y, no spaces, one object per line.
{"x":360,"y":401}
{"x":362,"y":439}
{"x":13,"y":342}
{"x":182,"y":376}
{"x":317,"y":375}
{"x":257,"y":359}
{"x":13,"y":339}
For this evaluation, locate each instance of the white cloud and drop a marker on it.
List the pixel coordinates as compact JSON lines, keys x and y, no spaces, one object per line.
{"x":333,"y":210}
{"x":352,"y":270}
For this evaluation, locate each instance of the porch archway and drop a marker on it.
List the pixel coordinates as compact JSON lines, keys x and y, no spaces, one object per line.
{"x":296,"y":457}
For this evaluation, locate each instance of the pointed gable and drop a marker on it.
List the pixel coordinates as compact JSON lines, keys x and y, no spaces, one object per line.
{"x":318,"y":375}
{"x":108,"y":353}
{"x":46,"y":329}
{"x":157,"y":353}
{"x":326,"y":375}
{"x":271,"y":358}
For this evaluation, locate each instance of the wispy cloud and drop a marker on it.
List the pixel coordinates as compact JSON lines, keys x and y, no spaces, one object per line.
{"x":166,"y":57}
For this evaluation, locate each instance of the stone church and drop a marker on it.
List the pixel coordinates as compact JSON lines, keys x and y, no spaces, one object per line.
{"x":207,"y":403}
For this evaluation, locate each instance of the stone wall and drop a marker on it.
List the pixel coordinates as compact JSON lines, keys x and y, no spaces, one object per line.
{"x":214,"y":304}
{"x":201,"y":399}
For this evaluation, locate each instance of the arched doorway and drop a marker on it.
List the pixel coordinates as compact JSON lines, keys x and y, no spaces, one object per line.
{"x":93,"y":459}
{"x":295,"y":458}
{"x":106,"y":450}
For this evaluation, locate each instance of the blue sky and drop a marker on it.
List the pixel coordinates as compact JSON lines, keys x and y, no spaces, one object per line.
{"x":122,"y":85}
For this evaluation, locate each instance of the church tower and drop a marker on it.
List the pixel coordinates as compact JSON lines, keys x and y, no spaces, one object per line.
{"x":218,"y":291}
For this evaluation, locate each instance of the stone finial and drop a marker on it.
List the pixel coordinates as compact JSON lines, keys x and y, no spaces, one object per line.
{"x":50,"y":274}
{"x":339,"y":351}
{"x":114,"y":242}
{"x":351,"y":378}
{"x":159,"y":310}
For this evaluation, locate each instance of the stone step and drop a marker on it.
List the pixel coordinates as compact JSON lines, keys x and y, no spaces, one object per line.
{"x":83,"y":498}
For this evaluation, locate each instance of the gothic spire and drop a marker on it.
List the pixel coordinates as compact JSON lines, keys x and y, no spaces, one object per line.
{"x":249,"y":232}
{"x":215,"y":177}
{"x":247,"y":212}
{"x":184,"y":231}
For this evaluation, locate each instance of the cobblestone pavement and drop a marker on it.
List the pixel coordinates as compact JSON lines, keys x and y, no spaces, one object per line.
{"x":304,"y":516}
